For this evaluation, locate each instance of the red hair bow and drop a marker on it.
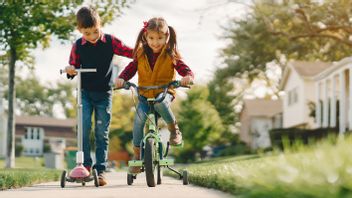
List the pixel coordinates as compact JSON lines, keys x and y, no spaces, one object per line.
{"x":145,"y":25}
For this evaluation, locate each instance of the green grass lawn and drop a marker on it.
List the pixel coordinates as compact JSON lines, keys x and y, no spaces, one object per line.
{"x":26,"y":162}
{"x":28,"y":171}
{"x":322,"y":170}
{"x":15,"y":178}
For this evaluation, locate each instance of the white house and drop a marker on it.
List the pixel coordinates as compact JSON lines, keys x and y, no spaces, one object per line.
{"x":257,"y":117}
{"x":33,"y":132}
{"x":299,"y":87}
{"x":334,"y":96}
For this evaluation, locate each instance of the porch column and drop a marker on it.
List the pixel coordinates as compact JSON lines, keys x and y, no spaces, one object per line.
{"x":317,"y":105}
{"x":325,"y":104}
{"x":342,"y":103}
{"x":333,"y":102}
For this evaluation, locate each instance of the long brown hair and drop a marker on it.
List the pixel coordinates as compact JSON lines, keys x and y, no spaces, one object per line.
{"x":159,"y":25}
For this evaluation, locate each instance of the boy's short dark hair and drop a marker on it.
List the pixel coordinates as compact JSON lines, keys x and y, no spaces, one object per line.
{"x":87,"y":17}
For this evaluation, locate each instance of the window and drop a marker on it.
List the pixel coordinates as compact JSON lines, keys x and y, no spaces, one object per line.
{"x":292,"y":96}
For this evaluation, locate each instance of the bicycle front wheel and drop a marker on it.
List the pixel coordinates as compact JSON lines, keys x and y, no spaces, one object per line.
{"x":149,"y":162}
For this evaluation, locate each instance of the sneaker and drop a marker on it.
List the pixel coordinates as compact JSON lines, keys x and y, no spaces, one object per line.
{"x":175,"y":134}
{"x":175,"y":138}
{"x":102,"y":179}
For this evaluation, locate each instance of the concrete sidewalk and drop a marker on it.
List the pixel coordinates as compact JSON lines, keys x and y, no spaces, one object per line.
{"x":116,"y":187}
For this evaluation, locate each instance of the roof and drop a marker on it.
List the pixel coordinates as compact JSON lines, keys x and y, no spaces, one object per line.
{"x":262,"y":107}
{"x":304,"y":69}
{"x":44,"y":121}
{"x":309,"y":69}
{"x":334,"y":68}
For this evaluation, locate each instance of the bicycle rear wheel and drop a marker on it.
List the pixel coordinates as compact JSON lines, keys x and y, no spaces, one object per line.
{"x":149,"y":162}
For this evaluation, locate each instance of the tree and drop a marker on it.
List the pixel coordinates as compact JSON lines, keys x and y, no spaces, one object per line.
{"x":275,"y":31}
{"x":33,"y":98}
{"x":122,"y":119}
{"x":300,"y":30}
{"x":200,"y":123}
{"x":311,"y":20}
{"x":25,"y":24}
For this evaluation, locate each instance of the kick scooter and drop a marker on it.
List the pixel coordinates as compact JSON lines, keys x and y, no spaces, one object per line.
{"x":79,"y":174}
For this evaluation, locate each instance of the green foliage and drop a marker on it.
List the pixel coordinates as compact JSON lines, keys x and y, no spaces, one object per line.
{"x":200,"y":123}
{"x":15,"y":178}
{"x":323,"y":170}
{"x":301,"y":30}
{"x":122,"y":120}
{"x":34,"y":98}
{"x":223,"y":101}
{"x":25,"y":24}
{"x":286,"y":138}
{"x":122,"y":112}
{"x":18,"y":150}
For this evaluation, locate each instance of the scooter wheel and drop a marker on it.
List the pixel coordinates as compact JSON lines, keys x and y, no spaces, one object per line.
{"x":95,"y":177}
{"x":63,"y":179}
{"x":185,"y":177}
{"x":129,"y":179}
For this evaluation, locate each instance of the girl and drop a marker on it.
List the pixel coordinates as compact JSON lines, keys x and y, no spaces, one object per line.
{"x":155,"y":58}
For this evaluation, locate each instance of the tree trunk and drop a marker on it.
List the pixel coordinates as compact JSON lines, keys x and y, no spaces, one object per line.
{"x":10,"y":152}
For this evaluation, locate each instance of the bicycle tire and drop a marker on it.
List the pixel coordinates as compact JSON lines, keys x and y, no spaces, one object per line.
{"x":149,"y":158}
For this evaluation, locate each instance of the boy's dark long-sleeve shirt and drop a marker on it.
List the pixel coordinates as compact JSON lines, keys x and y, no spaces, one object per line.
{"x":119,"y":48}
{"x":99,"y":55}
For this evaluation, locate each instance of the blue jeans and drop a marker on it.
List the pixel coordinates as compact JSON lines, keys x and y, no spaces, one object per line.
{"x":100,"y":103}
{"x":163,"y":109}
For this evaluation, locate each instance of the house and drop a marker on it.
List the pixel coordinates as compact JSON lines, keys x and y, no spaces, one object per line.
{"x":299,"y":87}
{"x":257,"y":117}
{"x":35,"y":133}
{"x":333,"y":90}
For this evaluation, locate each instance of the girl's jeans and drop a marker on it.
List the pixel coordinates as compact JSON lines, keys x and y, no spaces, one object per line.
{"x":100,"y":103}
{"x":163,"y":109}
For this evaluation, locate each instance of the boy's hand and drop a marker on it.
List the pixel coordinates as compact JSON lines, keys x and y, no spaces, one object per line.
{"x":119,"y":82}
{"x":70,"y":70}
{"x":186,"y":80}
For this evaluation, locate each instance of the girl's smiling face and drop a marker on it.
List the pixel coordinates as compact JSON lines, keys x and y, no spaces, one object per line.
{"x":156,"y":41}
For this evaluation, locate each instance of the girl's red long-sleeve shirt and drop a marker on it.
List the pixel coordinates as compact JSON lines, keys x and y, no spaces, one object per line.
{"x":131,"y":68}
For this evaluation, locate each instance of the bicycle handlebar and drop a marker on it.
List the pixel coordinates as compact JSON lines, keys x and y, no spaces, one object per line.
{"x":174,"y":84}
{"x":80,"y":70}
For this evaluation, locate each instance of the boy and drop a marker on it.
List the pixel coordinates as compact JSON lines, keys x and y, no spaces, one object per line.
{"x":95,"y":50}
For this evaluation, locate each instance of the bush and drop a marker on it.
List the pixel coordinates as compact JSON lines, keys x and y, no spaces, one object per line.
{"x":46,"y":148}
{"x":239,"y":148}
{"x":280,"y":138}
{"x":18,"y":150}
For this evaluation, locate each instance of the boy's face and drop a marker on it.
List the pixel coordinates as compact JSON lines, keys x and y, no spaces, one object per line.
{"x":156,"y":40}
{"x":91,"y":34}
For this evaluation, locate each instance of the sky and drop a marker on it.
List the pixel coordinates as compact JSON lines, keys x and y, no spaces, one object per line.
{"x":197,"y":24}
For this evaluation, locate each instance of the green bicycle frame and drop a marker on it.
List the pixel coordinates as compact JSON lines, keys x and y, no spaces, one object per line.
{"x":153,"y":132}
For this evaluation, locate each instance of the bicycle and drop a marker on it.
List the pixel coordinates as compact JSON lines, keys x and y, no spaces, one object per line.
{"x":153,"y":151}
